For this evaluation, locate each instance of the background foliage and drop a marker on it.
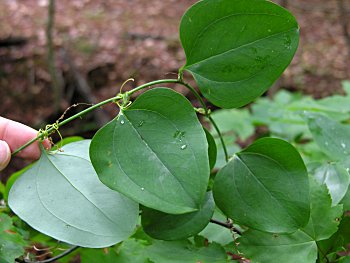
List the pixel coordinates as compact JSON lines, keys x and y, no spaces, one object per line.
{"x":306,"y":211}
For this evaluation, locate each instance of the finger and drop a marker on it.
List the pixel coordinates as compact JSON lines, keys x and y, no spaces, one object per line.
{"x":17,"y":134}
{"x":5,"y":155}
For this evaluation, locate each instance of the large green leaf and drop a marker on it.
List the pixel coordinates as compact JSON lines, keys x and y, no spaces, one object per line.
{"x":62,"y":197}
{"x":335,"y":176}
{"x":236,"y":49}
{"x":300,"y":246}
{"x":265,"y":187}
{"x":174,"y":227}
{"x":12,"y":179}
{"x":331,"y":136}
{"x":155,"y":152}
{"x":11,"y":243}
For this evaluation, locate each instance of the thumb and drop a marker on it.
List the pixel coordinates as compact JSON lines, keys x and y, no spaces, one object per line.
{"x":5,"y":155}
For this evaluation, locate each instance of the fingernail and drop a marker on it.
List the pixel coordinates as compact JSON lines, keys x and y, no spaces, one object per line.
{"x":5,"y":155}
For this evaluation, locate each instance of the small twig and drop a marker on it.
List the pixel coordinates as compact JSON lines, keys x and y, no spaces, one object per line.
{"x":226,"y":225}
{"x":73,"y":106}
{"x":65,"y":253}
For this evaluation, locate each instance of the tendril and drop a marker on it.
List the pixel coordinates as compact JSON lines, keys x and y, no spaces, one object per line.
{"x":124,"y":83}
{"x":45,"y":134}
{"x":72,"y":106}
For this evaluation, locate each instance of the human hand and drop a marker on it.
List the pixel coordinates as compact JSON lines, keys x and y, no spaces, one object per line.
{"x":12,"y":136}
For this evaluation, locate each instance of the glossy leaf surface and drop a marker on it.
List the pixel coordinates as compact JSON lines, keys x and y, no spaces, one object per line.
{"x":155,"y":152}
{"x":62,"y":197}
{"x":174,"y":227}
{"x":236,"y":49}
{"x":265,"y":187}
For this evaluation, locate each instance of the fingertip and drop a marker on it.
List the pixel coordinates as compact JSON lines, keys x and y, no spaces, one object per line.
{"x":47,"y":145}
{"x":5,"y":155}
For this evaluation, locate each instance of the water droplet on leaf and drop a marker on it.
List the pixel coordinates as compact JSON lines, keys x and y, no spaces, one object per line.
{"x":183,"y":147}
{"x":287,"y":42}
{"x":179,"y":135}
{"x":122,"y":122}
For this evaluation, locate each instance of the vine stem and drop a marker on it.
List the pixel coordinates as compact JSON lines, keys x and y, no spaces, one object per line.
{"x":152,"y":83}
{"x":128,"y":94}
{"x":79,"y":114}
{"x":65,"y":253}
{"x":50,"y":130}
{"x":226,"y":225}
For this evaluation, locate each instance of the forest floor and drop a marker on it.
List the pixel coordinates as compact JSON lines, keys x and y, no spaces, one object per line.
{"x":106,"y":42}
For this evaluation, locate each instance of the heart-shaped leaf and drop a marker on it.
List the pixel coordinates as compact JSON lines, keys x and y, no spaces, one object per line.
{"x":236,"y":49}
{"x":265,"y":187}
{"x":174,"y":227}
{"x":155,"y":152}
{"x":62,"y":197}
